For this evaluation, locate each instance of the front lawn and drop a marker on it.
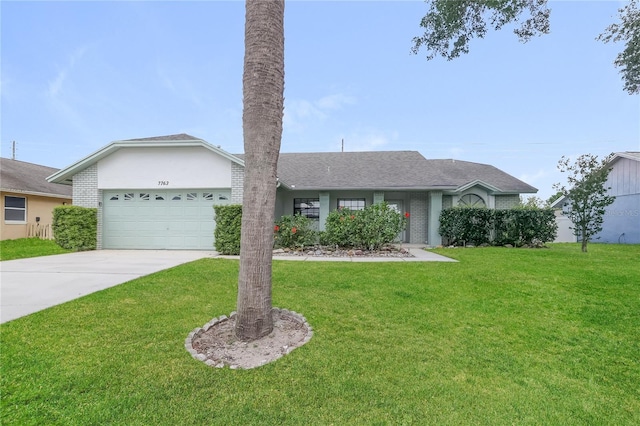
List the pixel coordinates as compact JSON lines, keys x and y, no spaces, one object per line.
{"x":505,"y":336}
{"x":28,"y":247}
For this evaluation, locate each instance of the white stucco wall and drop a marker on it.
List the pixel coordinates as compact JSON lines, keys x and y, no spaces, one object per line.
{"x":165,"y":168}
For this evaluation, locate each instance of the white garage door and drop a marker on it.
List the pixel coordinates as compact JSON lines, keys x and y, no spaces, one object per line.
{"x":171,"y":219}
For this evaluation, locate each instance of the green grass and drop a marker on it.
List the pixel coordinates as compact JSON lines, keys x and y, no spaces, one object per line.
{"x":28,"y":247}
{"x":505,"y":336}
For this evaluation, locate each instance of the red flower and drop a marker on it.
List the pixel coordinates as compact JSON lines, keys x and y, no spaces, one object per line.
{"x":406,"y":214}
{"x":353,"y":217}
{"x":294,"y":230}
{"x":276,"y":228}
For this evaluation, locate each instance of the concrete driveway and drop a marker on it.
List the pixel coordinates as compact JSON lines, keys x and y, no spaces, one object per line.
{"x":30,"y":285}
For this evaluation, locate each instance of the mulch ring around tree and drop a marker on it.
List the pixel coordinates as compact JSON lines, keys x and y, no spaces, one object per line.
{"x":216,"y":345}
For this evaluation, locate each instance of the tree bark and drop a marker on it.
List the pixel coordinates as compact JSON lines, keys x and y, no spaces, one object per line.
{"x":263,"y":105}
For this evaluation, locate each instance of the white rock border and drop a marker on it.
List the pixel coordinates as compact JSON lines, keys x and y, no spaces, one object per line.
{"x":188,"y":343}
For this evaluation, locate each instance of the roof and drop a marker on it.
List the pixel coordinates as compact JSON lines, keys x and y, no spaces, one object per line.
{"x":380,"y":170}
{"x":631,"y":155}
{"x":65,"y":175}
{"x":29,"y":178}
{"x":390,"y":170}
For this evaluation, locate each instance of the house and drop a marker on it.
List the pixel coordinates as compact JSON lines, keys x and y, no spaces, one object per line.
{"x":622,"y":218}
{"x":158,"y":192}
{"x":28,"y":199}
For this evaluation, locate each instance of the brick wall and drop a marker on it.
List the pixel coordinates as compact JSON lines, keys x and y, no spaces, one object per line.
{"x":507,"y":201}
{"x":418,"y":207}
{"x":237,"y":183}
{"x":85,"y":187}
{"x":86,"y":194}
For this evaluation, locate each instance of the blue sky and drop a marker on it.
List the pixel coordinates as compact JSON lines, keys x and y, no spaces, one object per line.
{"x":78,"y":75}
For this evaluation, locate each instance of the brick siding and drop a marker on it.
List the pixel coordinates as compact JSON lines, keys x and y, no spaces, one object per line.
{"x":507,"y":201}
{"x":237,"y":183}
{"x":418,"y":207}
{"x":85,"y":187}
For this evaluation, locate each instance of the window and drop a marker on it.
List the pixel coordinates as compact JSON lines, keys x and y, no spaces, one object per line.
{"x":159,"y":197}
{"x":129,"y":196}
{"x":144,"y":196}
{"x":471,"y":200}
{"x":192,"y":196}
{"x":309,"y":207}
{"x":114,"y":197}
{"x":207,"y":196}
{"x":15,"y":209}
{"x":176,"y":197}
{"x":351,"y":203}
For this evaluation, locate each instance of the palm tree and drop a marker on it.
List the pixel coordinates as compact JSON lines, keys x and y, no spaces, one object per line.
{"x":263,"y":103}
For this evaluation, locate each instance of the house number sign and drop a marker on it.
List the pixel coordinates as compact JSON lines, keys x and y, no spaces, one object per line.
{"x":163,"y":183}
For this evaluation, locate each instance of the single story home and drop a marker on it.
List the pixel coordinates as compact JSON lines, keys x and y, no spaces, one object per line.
{"x":158,"y":193}
{"x":28,"y":199}
{"x":622,"y":218}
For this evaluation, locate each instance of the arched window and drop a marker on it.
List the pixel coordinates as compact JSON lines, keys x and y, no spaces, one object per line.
{"x":471,"y":200}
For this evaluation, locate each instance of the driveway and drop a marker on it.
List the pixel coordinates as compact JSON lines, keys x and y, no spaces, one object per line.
{"x":30,"y":285}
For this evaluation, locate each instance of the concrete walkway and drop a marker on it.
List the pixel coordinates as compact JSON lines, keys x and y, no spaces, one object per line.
{"x":30,"y":285}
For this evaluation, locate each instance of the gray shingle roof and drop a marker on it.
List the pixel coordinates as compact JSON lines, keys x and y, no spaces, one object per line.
{"x":388,"y":170}
{"x":177,"y":137}
{"x":20,"y":176}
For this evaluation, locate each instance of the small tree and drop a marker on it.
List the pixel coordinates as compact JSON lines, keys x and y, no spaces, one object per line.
{"x":586,"y":194}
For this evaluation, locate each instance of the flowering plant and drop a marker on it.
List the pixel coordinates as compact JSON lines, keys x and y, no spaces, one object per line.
{"x":370,"y":228}
{"x":294,"y":231}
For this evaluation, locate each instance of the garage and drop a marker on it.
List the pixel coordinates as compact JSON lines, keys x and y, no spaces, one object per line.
{"x":160,"y":219}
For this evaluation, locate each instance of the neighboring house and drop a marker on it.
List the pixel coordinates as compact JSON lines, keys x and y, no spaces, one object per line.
{"x":28,"y":199}
{"x":159,"y":192}
{"x":622,"y":218}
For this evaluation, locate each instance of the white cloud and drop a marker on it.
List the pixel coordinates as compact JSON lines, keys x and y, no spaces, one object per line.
{"x":179,"y":86}
{"x":535,"y":177}
{"x":369,"y":140}
{"x":456,"y":151}
{"x":336,"y":101}
{"x":301,"y":113}
{"x":56,"y":85}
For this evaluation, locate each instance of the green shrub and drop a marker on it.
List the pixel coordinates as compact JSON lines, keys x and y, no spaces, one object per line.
{"x":75,"y":228}
{"x":370,"y":228}
{"x":340,"y":228}
{"x":227,"y":232}
{"x":294,"y":232}
{"x":462,"y":225}
{"x":518,"y":226}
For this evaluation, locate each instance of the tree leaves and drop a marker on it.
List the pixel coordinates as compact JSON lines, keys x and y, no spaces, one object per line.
{"x":450,"y":25}
{"x":628,"y":30}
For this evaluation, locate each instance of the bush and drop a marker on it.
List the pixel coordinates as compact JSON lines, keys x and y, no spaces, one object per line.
{"x":370,"y":228}
{"x":518,"y":226}
{"x":340,"y":229}
{"x":75,"y":227}
{"x":227,"y":232}
{"x":461,"y":225}
{"x":294,"y":232}
{"x":524,"y":226}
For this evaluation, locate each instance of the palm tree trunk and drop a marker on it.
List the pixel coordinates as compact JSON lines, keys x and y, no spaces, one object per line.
{"x":263,"y":102}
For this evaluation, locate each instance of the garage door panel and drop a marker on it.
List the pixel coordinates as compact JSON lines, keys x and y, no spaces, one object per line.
{"x":172,"y":219}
